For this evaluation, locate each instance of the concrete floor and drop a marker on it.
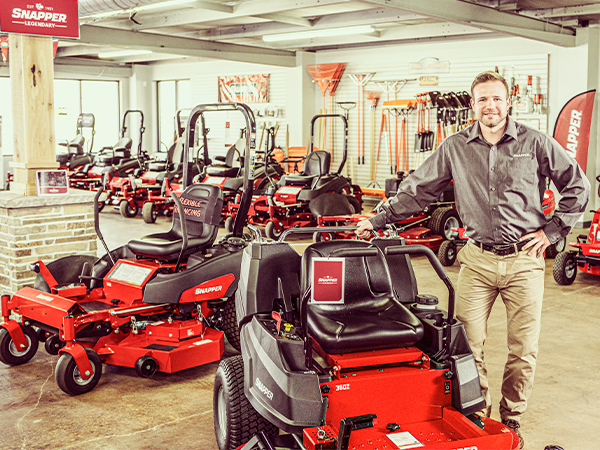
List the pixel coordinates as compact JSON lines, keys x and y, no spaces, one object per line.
{"x":175,"y":411}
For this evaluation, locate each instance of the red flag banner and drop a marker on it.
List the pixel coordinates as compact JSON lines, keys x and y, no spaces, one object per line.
{"x":244,"y":89}
{"x":572,"y":129}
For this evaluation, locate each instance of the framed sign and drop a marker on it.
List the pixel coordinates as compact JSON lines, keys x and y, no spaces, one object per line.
{"x":244,"y":89}
{"x":328,"y":280}
{"x":57,"y":18}
{"x":51,"y":182}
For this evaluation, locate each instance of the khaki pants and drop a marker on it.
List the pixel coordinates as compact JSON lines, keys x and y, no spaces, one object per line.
{"x":519,"y":279}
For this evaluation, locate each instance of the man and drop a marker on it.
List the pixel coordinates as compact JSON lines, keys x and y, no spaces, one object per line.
{"x":499,"y":168}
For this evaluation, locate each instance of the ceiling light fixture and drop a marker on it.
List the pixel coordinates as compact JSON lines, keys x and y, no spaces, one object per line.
{"x":359,"y":29}
{"x":122,"y":53}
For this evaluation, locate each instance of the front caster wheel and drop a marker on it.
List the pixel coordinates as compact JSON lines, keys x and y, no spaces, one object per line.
{"x":149,"y":212}
{"x":146,"y":366}
{"x":13,"y":356}
{"x":271,"y":231}
{"x":447,"y":253}
{"x":127,"y":210}
{"x":53,"y":344}
{"x":68,"y":377}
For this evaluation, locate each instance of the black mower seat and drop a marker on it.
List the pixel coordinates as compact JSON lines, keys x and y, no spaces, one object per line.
{"x":316,"y":164}
{"x":333,"y":204}
{"x":202,"y":204}
{"x":226,"y":169}
{"x":371,"y":318}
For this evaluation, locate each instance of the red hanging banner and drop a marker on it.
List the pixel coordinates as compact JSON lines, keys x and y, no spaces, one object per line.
{"x":572,"y":129}
{"x":58,"y":18}
{"x":328,"y":280}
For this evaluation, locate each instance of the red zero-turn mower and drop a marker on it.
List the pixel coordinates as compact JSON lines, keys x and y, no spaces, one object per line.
{"x":287,"y":204}
{"x":586,"y":257}
{"x":158,"y":303}
{"x":339,"y":351}
{"x":448,"y":250}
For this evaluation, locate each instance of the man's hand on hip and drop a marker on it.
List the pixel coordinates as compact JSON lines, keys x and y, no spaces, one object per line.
{"x":538,"y":243}
{"x":364,"y":229}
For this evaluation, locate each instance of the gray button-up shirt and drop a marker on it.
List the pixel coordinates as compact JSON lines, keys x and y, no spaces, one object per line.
{"x":498,"y":188}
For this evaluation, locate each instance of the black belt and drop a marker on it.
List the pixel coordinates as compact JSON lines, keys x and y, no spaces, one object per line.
{"x":502,"y":250}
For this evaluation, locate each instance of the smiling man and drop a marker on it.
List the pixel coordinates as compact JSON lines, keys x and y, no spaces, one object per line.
{"x":499,"y":168}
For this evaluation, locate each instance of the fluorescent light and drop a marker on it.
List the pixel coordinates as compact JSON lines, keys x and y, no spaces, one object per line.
{"x":123,"y":53}
{"x":138,"y":9}
{"x":359,"y":29}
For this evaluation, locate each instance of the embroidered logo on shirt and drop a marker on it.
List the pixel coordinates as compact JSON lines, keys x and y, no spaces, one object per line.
{"x":522,"y":155}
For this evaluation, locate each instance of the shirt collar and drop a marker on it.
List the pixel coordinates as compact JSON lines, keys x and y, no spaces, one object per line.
{"x":511,"y":130}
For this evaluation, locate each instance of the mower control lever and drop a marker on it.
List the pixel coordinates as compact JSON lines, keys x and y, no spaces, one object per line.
{"x":352,"y":423}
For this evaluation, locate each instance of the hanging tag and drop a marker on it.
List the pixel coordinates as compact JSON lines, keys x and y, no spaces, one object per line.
{"x":328,"y":280}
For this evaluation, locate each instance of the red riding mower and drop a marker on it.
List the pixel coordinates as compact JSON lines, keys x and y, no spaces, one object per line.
{"x":448,"y":250}
{"x":340,"y":351}
{"x":286,"y":205}
{"x":587,"y":256}
{"x":429,"y":227}
{"x":76,"y":157}
{"x":91,"y":177}
{"x":158,"y":303}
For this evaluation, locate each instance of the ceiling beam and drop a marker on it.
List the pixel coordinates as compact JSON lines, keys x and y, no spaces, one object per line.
{"x":374,"y":16}
{"x":80,"y":50}
{"x":160,"y":43}
{"x":284,"y":18}
{"x":397,"y":34}
{"x":253,"y":8}
{"x":485,"y":17}
{"x":568,"y":11}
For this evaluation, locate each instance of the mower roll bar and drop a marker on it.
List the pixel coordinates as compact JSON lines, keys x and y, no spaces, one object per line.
{"x":142,"y":129}
{"x":312,"y":132}
{"x":249,"y":160}
{"x":183,"y":222}
{"x":307,"y":230}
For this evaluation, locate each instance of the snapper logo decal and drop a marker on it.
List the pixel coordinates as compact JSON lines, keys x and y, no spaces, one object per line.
{"x":328,"y":280}
{"x":209,"y":290}
{"x":57,"y":18}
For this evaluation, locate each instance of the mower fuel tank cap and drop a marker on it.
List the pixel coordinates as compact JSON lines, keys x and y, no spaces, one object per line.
{"x":426,"y":301}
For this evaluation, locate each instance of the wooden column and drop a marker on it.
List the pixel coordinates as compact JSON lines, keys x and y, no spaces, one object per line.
{"x":32,"y":78}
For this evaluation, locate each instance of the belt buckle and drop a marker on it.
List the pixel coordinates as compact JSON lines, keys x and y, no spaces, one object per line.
{"x":507,"y":250}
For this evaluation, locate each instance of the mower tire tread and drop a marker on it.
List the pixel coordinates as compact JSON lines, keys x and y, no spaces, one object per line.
{"x":442,"y":220}
{"x":67,"y":376}
{"x":10,"y":355}
{"x":228,"y":224}
{"x":447,"y":253}
{"x":240,"y":421}
{"x":564,"y":268}
{"x":230,"y":325}
{"x":149,"y":212}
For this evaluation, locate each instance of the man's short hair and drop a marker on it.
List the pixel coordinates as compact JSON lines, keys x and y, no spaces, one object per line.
{"x":486,"y":76}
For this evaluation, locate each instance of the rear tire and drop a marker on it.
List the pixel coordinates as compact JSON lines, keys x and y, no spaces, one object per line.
{"x":235,"y":419}
{"x":555,"y":249}
{"x":10,"y":354}
{"x":443,"y":220}
{"x":447,"y":253}
{"x":126,"y":209}
{"x":564,"y":268}
{"x":68,"y":378}
{"x":230,"y":325}
{"x":149,"y":212}
{"x":271,"y":231}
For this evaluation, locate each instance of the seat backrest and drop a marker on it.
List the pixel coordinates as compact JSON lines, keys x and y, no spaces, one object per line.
{"x":202,"y":204}
{"x":76,"y":145}
{"x":331,"y":204}
{"x":238,"y":147}
{"x":317,"y":163}
{"x":364,"y":281}
{"x":123,"y":145}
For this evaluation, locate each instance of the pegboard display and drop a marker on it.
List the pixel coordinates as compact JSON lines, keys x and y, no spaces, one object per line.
{"x":457,"y":79}
{"x":225,"y":126}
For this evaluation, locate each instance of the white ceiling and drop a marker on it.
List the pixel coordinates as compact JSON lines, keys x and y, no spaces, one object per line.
{"x":234,"y":30}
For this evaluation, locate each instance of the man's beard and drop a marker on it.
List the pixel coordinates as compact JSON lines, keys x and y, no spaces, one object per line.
{"x":493,"y":121}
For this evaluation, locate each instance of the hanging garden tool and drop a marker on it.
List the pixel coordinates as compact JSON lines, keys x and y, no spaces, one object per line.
{"x":372,"y":98}
{"x":397,"y":107}
{"x":323,"y":75}
{"x":333,"y":84}
{"x":347,"y":106}
{"x":361,"y":80}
